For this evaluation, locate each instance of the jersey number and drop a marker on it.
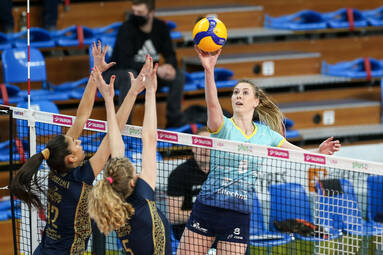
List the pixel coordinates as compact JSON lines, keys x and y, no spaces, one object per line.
{"x":127,"y":250}
{"x":53,"y":214}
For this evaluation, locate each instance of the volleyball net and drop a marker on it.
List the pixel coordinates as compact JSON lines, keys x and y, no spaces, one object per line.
{"x":300,"y":202}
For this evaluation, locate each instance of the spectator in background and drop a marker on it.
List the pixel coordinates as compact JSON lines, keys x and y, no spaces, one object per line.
{"x":144,"y":34}
{"x":184,"y":184}
{"x":49,"y":15}
{"x":6,"y":18}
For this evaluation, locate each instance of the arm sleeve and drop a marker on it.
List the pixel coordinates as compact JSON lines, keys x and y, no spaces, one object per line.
{"x":84,"y":173}
{"x":276,"y":139}
{"x":223,"y":131}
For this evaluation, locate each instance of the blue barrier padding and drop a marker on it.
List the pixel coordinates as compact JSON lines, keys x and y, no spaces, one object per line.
{"x":339,"y":19}
{"x":220,"y":74}
{"x":374,"y":17}
{"x":43,"y":94}
{"x":70,"y":85}
{"x":353,"y":69}
{"x":39,"y":38}
{"x":108,"y":30}
{"x":68,"y":36}
{"x":303,"y":20}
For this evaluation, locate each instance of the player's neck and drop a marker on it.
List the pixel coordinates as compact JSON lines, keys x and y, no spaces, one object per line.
{"x":245,"y":123}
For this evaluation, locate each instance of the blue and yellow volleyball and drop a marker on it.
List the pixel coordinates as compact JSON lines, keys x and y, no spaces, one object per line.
{"x":209,"y":34}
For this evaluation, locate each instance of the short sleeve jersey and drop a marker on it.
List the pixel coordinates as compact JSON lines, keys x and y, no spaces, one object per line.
{"x":231,"y":181}
{"x":147,"y":232}
{"x":68,"y":223}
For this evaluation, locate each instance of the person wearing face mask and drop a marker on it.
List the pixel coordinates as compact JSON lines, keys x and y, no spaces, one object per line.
{"x":144,"y":34}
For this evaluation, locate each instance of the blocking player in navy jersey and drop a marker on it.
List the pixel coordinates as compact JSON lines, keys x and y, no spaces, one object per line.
{"x":222,"y":209}
{"x":122,"y":200}
{"x":70,"y":176}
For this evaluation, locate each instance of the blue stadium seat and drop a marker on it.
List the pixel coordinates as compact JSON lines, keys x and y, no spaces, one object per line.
{"x":68,"y":36}
{"x":174,"y":35}
{"x":15,"y":70}
{"x":259,"y":235}
{"x":13,"y":94}
{"x":374,"y":17}
{"x":290,"y":133}
{"x":73,"y":89}
{"x":14,"y":63}
{"x":353,"y":69}
{"x":341,"y":210}
{"x":339,"y":19}
{"x":290,"y":201}
{"x":5,"y":43}
{"x":303,"y":20}
{"x":39,"y":38}
{"x":374,"y":198}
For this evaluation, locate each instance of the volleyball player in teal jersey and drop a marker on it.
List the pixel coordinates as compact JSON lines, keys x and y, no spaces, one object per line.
{"x":222,"y":209}
{"x":124,"y":201}
{"x":70,"y":177}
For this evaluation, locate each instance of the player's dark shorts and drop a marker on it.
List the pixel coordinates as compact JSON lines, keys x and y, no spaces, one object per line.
{"x":226,"y":225}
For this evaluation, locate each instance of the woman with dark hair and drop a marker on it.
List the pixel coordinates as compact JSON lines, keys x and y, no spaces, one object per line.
{"x":122,"y":200}
{"x":70,"y":177}
{"x":222,"y":209}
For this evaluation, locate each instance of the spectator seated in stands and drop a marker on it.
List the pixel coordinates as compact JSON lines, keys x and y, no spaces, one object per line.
{"x":144,"y":34}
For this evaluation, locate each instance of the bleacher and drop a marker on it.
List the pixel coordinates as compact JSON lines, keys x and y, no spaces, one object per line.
{"x":285,"y":63}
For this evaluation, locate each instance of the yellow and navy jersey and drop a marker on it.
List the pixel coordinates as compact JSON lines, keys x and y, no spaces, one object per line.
{"x":68,"y":223}
{"x":147,"y":232}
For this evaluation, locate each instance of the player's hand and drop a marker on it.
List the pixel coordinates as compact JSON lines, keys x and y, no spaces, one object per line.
{"x":208,"y":60}
{"x":149,"y":74}
{"x":329,"y":146}
{"x":99,"y":57}
{"x":106,"y":90}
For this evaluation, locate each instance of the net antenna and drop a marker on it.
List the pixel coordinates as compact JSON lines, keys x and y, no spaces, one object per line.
{"x":32,"y":129}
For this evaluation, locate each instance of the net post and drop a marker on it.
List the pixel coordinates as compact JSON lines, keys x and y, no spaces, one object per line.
{"x":32,"y":150}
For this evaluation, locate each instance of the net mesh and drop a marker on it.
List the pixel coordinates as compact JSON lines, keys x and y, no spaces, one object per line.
{"x":299,"y":203}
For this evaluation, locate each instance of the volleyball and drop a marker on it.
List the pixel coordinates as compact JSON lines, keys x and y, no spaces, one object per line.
{"x":209,"y":34}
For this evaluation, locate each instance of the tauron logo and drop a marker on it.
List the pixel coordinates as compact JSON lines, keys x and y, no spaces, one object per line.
{"x":202,"y":141}
{"x":62,"y":120}
{"x":167,"y":136}
{"x":277,"y":153}
{"x":315,"y":159}
{"x":96,"y":125}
